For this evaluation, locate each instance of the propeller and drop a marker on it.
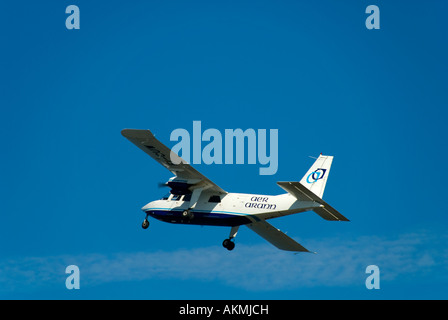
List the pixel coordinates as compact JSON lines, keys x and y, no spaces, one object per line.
{"x":162,"y":184}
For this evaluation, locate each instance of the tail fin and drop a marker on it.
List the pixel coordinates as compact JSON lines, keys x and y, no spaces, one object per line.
{"x":316,"y":177}
{"x":311,"y":188}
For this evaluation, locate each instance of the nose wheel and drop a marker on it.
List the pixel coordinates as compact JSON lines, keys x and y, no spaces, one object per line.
{"x":145,"y":223}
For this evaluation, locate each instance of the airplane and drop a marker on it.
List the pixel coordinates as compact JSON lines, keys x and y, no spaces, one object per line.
{"x":196,"y":200}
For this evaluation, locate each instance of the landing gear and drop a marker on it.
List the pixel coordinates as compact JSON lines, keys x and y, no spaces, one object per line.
{"x":145,"y":223}
{"x":187,"y":215}
{"x":228,"y":244}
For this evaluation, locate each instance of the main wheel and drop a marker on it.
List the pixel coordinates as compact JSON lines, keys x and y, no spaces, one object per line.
{"x":145,"y":224}
{"x":228,"y":244}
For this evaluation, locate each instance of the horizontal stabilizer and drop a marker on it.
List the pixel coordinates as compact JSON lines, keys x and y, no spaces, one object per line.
{"x":275,"y":236}
{"x":302,"y":193}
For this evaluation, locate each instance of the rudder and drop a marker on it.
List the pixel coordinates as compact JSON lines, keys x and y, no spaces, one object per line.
{"x":316,"y":177}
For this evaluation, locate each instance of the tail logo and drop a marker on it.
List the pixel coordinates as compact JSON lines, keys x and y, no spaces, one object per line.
{"x":316,"y":175}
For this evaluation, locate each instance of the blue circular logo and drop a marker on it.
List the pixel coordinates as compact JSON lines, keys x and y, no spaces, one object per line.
{"x":316,"y":175}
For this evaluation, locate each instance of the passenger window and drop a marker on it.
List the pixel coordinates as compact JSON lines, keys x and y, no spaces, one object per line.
{"x":216,"y":199}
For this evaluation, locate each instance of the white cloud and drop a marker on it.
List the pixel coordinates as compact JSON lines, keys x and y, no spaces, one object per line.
{"x":255,"y":268}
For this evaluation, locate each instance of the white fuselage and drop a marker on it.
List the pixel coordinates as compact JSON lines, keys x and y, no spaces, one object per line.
{"x":231,"y":209}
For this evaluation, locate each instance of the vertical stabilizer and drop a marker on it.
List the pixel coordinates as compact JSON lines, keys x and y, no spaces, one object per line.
{"x":316,"y":177}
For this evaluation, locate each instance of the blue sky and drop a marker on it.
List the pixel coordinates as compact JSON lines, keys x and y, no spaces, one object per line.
{"x":72,"y":186}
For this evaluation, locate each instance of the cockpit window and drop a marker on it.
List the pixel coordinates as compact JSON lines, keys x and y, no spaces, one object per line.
{"x":187,"y":197}
{"x":176,"y":197}
{"x":215,"y":199}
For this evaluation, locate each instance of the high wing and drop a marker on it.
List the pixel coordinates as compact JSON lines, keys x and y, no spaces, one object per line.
{"x":145,"y":140}
{"x":275,"y":236}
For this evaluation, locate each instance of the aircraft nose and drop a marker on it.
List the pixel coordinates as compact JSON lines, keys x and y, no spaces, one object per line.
{"x":147,"y":207}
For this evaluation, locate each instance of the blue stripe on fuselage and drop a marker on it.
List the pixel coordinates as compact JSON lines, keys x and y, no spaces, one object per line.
{"x":201,"y":217}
